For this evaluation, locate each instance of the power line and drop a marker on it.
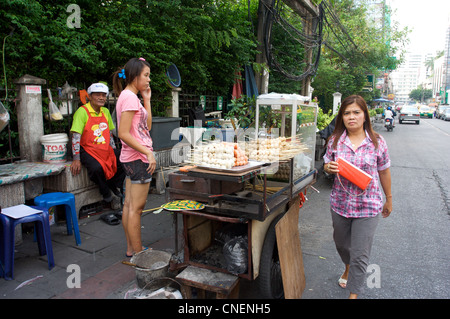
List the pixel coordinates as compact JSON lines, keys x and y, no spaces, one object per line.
{"x":310,"y":42}
{"x":341,"y":35}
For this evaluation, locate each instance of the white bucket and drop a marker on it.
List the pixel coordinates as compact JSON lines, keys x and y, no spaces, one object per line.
{"x":54,"y":148}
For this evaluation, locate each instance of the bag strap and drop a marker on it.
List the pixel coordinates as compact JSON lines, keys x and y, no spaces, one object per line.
{"x":364,"y":191}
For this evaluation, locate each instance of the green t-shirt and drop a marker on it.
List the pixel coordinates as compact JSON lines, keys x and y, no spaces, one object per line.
{"x":80,"y":118}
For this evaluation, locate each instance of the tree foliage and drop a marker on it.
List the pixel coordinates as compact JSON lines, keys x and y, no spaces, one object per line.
{"x":421,"y":94}
{"x":371,"y":51}
{"x":289,"y":49}
{"x":207,"y":40}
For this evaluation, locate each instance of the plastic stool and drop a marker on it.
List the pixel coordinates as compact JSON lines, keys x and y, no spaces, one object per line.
{"x":68,"y":200}
{"x":42,"y":228}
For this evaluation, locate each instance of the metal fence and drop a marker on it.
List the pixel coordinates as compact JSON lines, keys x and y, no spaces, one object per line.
{"x":210,"y":102}
{"x":68,"y":104}
{"x":9,"y":139}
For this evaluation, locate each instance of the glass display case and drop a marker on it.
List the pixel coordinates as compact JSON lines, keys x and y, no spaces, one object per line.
{"x":288,"y":123}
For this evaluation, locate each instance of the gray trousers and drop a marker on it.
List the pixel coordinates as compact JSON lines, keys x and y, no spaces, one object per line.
{"x":353,"y":238}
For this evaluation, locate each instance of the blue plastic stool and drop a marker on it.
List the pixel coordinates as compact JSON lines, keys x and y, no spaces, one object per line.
{"x":68,"y":200}
{"x":42,"y":228}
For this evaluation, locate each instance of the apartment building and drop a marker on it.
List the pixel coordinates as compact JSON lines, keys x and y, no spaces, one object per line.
{"x":445,"y":87}
{"x":408,"y":76}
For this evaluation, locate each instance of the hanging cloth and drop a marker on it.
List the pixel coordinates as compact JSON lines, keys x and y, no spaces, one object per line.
{"x":237,"y":87}
{"x":251,"y":90}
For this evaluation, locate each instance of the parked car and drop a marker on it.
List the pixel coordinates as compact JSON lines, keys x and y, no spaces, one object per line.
{"x":441,"y":110}
{"x":446,"y":115}
{"x":425,"y":111}
{"x":409,"y":113}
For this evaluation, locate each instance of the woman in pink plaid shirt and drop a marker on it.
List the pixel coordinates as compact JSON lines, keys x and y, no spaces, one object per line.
{"x":354,"y":212}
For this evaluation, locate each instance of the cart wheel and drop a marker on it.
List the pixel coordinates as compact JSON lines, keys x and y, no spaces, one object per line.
{"x":270,"y":283}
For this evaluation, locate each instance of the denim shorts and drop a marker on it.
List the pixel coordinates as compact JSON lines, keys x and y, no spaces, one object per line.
{"x":137,"y":172}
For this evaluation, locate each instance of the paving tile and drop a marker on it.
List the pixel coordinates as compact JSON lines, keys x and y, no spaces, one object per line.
{"x":118,"y":273}
{"x":102,"y":284}
{"x":99,"y":256}
{"x":91,"y":288}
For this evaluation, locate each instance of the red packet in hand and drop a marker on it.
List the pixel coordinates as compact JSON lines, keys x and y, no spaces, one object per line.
{"x":353,"y":173}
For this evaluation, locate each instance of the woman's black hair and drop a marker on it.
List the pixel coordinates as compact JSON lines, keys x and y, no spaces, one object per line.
{"x":340,"y":127}
{"x":132,"y":69}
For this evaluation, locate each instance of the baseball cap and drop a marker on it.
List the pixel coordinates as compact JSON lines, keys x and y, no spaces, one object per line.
{"x":98,"y":87}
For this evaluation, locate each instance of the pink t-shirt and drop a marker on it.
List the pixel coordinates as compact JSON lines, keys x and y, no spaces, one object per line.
{"x":128,"y":101}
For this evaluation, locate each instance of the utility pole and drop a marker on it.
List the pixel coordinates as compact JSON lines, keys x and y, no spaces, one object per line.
{"x":308,"y":11}
{"x":304,"y":8}
{"x":262,"y":77}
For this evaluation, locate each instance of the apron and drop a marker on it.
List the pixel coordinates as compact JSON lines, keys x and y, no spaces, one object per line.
{"x":95,"y":140}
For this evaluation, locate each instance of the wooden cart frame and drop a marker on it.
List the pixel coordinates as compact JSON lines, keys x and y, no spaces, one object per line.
{"x":259,"y":212}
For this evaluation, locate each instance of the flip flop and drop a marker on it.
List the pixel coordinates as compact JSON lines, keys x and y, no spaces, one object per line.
{"x":110,"y":219}
{"x":145,"y":248}
{"x":342,"y":283}
{"x":118,"y":215}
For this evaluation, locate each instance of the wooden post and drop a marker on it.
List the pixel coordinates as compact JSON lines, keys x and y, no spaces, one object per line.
{"x":290,"y":252}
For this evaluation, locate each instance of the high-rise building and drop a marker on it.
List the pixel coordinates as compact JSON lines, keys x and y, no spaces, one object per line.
{"x":437,"y":78}
{"x":407,"y":76}
{"x":446,"y":70}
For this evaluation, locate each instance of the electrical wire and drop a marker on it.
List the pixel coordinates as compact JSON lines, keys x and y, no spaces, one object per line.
{"x":3,"y":60}
{"x":310,"y":42}
{"x":341,"y":35}
{"x":325,"y":26}
{"x":4,"y":67}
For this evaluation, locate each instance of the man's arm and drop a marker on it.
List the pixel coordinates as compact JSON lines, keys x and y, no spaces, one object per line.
{"x":75,"y":167}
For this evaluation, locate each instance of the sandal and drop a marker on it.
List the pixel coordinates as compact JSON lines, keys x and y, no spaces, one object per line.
{"x":110,"y":219}
{"x":118,"y":215}
{"x":342,"y":283}
{"x":144,"y":248}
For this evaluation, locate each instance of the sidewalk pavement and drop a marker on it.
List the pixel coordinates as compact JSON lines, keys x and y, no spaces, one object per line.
{"x":100,"y":256}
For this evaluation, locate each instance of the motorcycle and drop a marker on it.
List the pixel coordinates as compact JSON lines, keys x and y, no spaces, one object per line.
{"x":389,"y":125}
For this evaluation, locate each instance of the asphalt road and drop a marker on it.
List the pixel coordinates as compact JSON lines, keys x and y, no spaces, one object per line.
{"x":411,"y":252}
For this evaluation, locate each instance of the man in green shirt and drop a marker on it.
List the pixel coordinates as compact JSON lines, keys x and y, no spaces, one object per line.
{"x":93,"y":146}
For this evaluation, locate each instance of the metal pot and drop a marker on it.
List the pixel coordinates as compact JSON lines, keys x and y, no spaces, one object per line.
{"x":150,"y":265}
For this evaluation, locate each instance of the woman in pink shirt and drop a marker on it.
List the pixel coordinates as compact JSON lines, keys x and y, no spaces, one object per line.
{"x":355,"y":212}
{"x":134,"y":122}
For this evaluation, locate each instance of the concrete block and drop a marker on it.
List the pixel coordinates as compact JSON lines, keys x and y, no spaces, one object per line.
{"x":86,"y":192}
{"x":12,"y":194}
{"x":66,"y":182}
{"x":86,"y":196}
{"x":33,"y":188}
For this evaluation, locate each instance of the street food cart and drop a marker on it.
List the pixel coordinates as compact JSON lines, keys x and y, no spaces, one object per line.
{"x":242,"y":204}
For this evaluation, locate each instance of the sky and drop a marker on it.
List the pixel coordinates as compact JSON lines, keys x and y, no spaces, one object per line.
{"x":428,"y":20}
